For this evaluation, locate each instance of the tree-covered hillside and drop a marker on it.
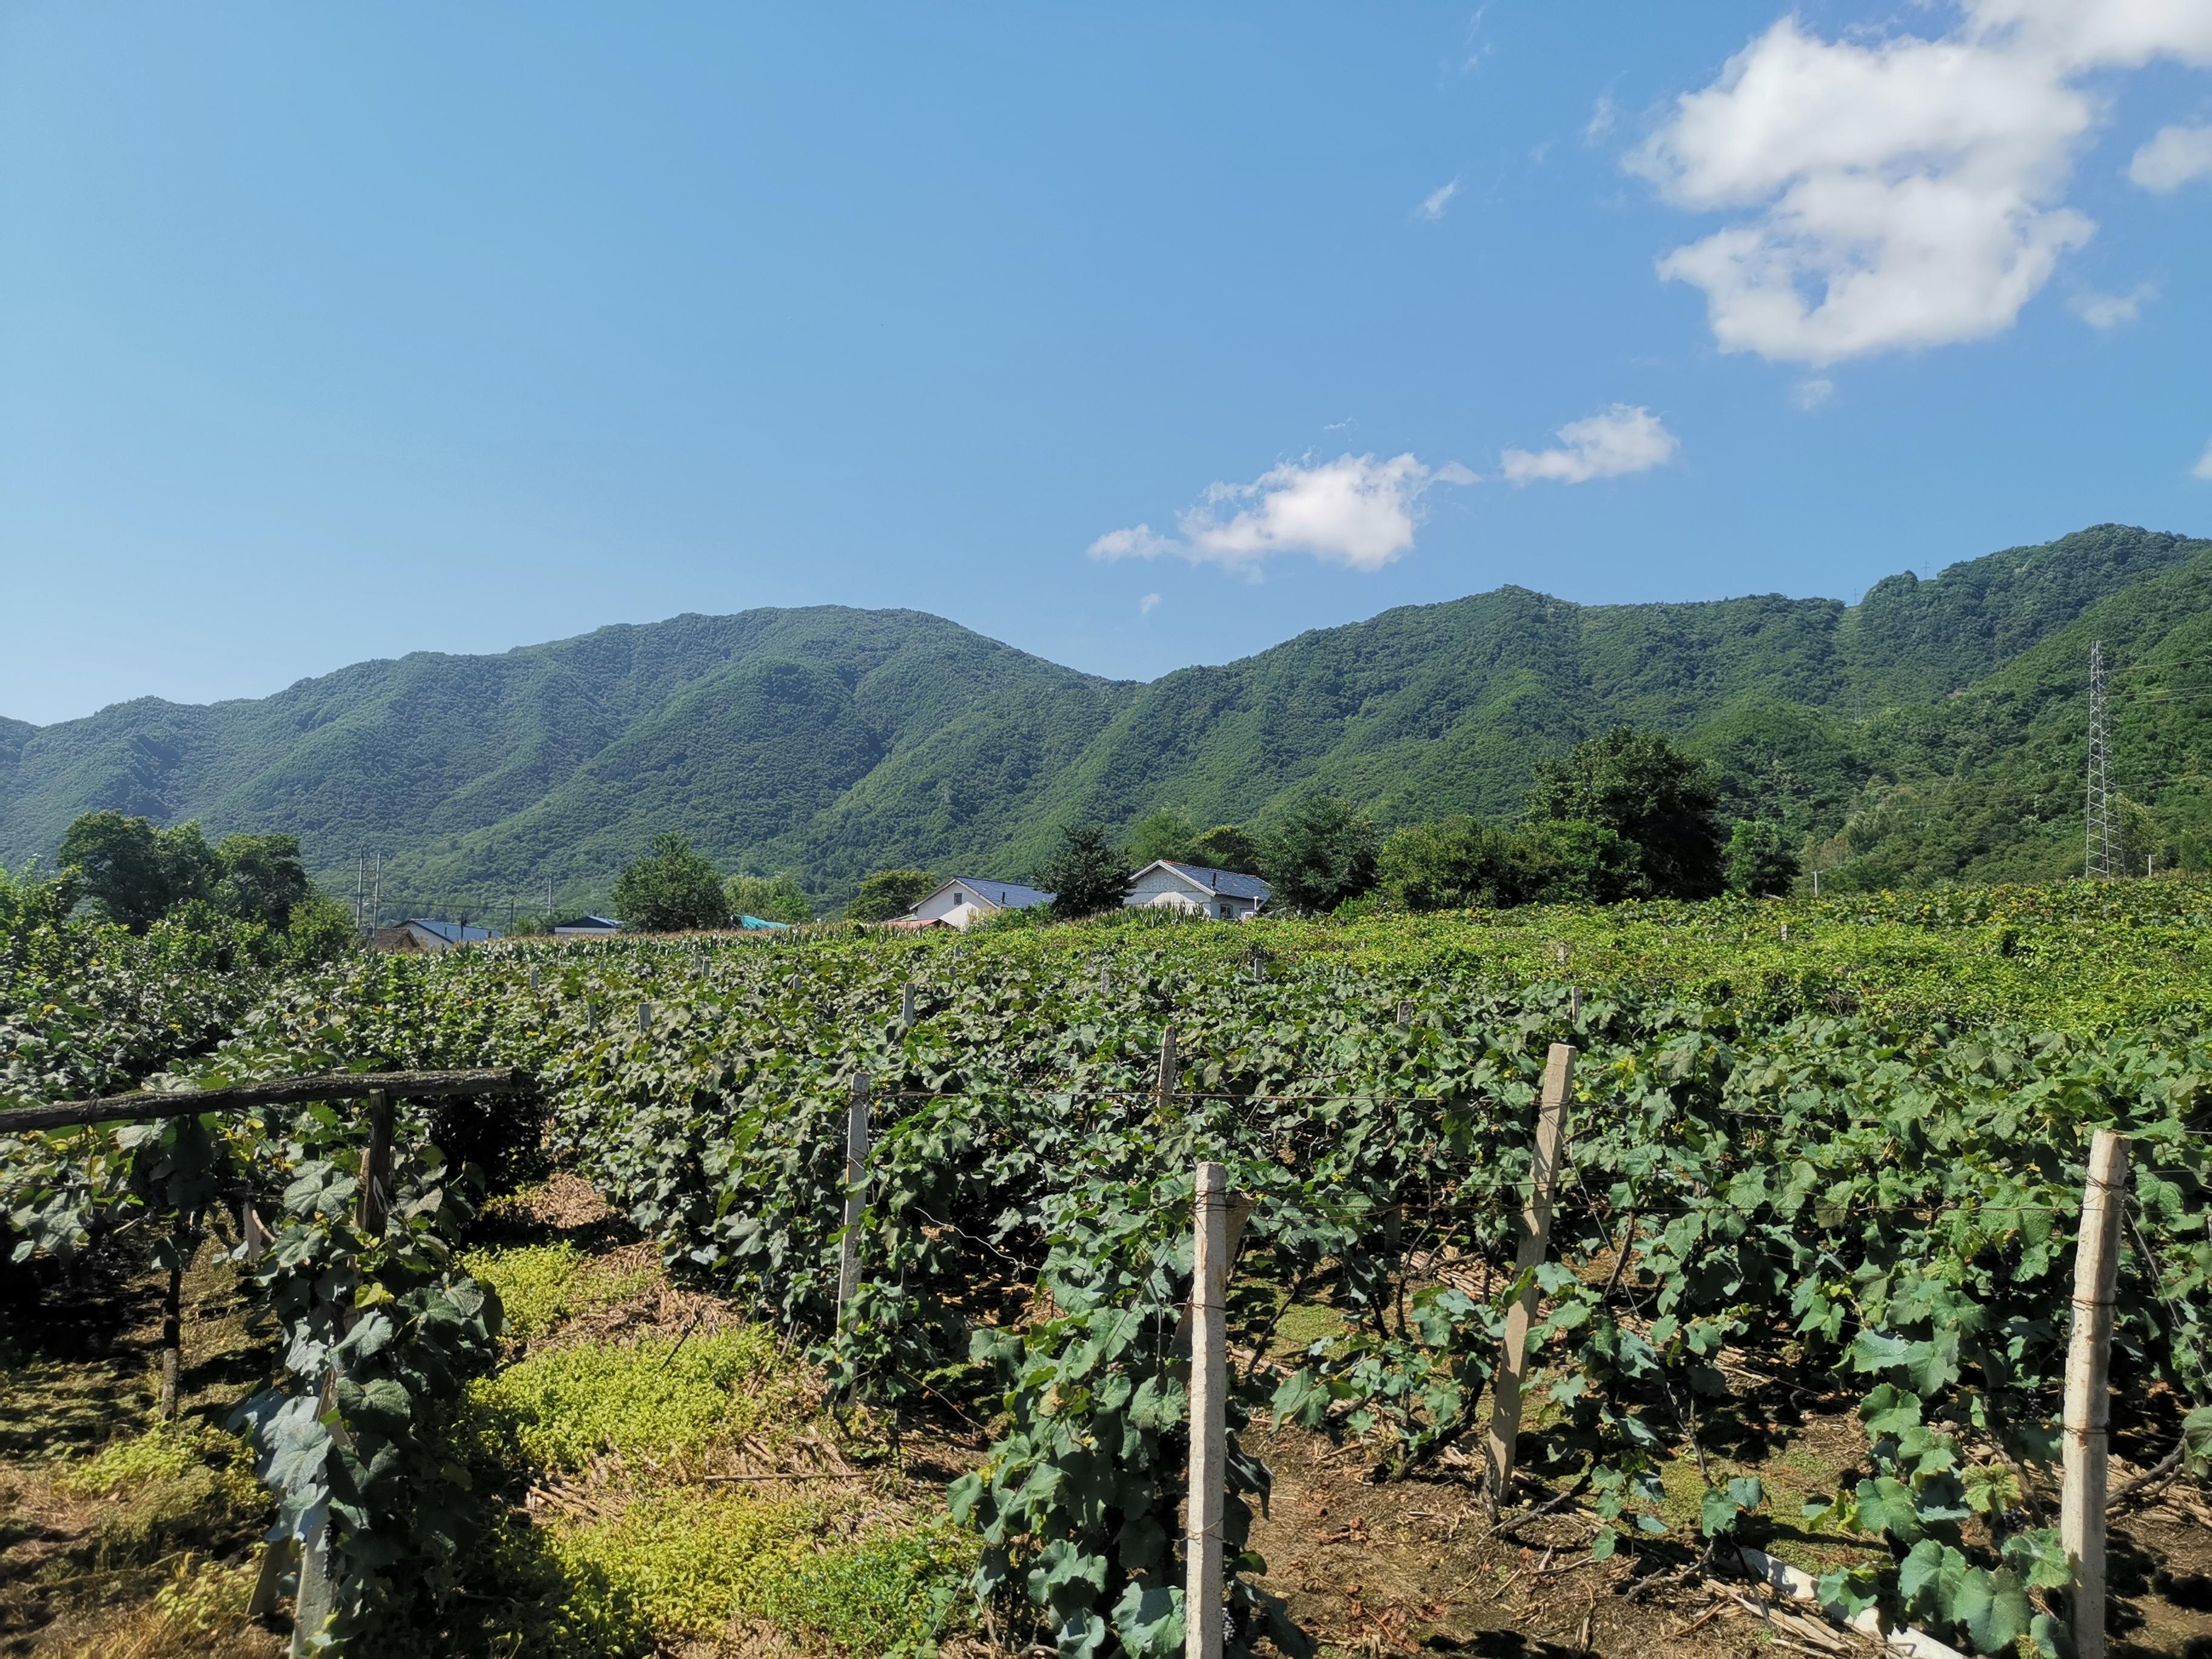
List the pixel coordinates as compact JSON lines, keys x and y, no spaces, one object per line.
{"x":1935,"y":729}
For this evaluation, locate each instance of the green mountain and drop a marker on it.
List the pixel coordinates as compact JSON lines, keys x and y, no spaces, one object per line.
{"x":1935,"y":729}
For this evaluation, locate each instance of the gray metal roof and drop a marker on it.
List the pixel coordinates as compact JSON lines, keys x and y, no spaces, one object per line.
{"x":1227,"y":882}
{"x":453,"y":932}
{"x":1008,"y":894}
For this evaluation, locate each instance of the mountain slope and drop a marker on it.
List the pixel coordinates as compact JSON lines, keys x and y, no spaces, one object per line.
{"x":1932,"y":730}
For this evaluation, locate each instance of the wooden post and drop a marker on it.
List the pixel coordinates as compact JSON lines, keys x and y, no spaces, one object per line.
{"x":172,"y":1321}
{"x":856,"y":1174}
{"x":1163,"y":1086}
{"x":374,"y":1199}
{"x":1209,"y":1414}
{"x":1535,"y":1240}
{"x":906,"y":1006}
{"x":2089,"y":1408}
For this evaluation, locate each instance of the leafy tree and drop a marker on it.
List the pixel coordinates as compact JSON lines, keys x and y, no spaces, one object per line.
{"x":190,"y":868}
{"x":134,"y":873}
{"x":1656,"y":798}
{"x":318,"y":927}
{"x":1460,"y":864}
{"x":1226,"y":847}
{"x":1758,"y":859}
{"x":1573,"y":861}
{"x":1166,"y":834}
{"x":772,"y":898}
{"x":1087,"y":875}
{"x":890,"y":894}
{"x":670,"y":889}
{"x":1456,"y":865}
{"x":263,"y":878}
{"x":116,"y":863}
{"x":1322,"y":855}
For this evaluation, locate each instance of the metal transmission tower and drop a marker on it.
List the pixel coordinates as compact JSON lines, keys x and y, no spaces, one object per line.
{"x":2100,"y":855}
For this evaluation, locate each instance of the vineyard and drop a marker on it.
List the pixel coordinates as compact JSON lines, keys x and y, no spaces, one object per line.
{"x":1805,"y":1286}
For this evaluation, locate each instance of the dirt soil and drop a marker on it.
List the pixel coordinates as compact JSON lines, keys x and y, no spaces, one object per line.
{"x":83,"y":1574}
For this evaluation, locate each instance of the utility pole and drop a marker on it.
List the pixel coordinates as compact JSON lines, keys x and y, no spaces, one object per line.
{"x":360,"y":881}
{"x":549,"y":904}
{"x":2097,"y":863}
{"x":376,"y":900}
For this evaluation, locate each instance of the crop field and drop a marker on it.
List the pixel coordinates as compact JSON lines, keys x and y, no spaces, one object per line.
{"x":585,"y":1386}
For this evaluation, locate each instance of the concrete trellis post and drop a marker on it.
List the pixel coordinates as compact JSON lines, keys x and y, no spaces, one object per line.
{"x":2088,"y":1407}
{"x":906,"y":1006}
{"x":1535,"y":1241}
{"x":856,"y":1176}
{"x":1209,"y":1417}
{"x":1163,"y":1087}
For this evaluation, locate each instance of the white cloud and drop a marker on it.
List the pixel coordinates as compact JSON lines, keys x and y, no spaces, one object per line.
{"x":1603,"y":117}
{"x":1433,"y":204}
{"x":1898,"y":191}
{"x":1812,"y":391}
{"x":1354,"y":511}
{"x":2105,"y":311}
{"x":2204,"y":467}
{"x":1622,"y":439}
{"x":1149,"y":604}
{"x":2171,"y":159}
{"x":1137,"y":541}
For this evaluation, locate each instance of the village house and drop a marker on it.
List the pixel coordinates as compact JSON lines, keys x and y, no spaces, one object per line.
{"x":422,"y":936}
{"x":962,"y":900}
{"x":1165,"y":885}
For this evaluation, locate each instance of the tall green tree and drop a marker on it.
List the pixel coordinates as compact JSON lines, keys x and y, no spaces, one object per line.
{"x":887,"y":895}
{"x":1656,"y":798}
{"x":671,"y":889}
{"x":134,"y":873}
{"x":1759,"y":859}
{"x":1086,"y":875}
{"x":1322,"y":854}
{"x":772,"y":898}
{"x":1227,"y":846}
{"x":262,"y":877}
{"x":1166,"y":834}
{"x":117,"y":861}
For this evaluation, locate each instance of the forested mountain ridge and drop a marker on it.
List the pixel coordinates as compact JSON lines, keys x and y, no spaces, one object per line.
{"x":1940,"y":718}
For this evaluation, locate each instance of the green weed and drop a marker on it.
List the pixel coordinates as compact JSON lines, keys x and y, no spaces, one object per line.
{"x":649,"y":1399}
{"x":542,"y":1286}
{"x":678,"y":1562}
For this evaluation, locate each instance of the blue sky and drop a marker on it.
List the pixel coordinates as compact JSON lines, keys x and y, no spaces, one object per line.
{"x":1134,"y":336}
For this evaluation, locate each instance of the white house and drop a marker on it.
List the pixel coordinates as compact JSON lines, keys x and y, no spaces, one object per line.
{"x":962,"y":900}
{"x":1193,"y":888}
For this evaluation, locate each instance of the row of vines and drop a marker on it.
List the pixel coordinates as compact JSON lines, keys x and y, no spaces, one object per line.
{"x":1879,"y":1209}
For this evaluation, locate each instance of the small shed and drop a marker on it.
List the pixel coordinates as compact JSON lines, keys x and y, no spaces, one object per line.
{"x":1197,"y":889}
